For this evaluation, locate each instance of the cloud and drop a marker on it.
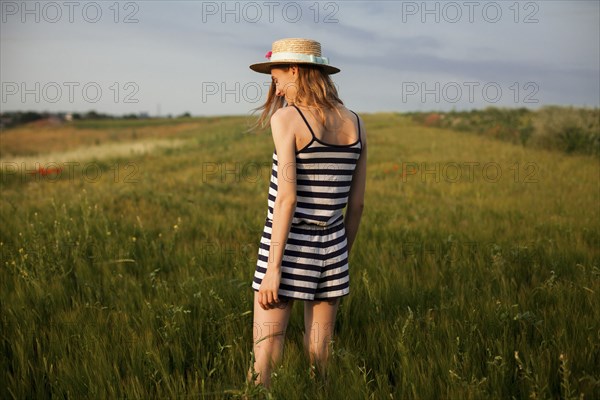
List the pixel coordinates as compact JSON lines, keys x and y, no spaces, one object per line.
{"x":176,"y":47}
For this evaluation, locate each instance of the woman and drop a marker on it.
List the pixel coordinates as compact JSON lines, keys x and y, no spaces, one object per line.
{"x":319,"y":167}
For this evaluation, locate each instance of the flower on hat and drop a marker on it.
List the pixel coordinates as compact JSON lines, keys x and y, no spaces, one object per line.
{"x":268,"y":55}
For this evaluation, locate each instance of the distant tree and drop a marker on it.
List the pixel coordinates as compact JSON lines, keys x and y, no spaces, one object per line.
{"x":91,"y":115}
{"x":29,"y":116}
{"x":185,"y":115}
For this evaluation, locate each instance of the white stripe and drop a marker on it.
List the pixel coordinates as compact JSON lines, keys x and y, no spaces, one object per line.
{"x":320,"y":201}
{"x":322,"y":189}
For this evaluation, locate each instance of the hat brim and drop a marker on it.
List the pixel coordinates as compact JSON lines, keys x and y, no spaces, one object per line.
{"x":265,"y":67}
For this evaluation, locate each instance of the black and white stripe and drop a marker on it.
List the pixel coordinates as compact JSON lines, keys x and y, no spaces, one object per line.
{"x":323,"y":178}
{"x":315,"y":260}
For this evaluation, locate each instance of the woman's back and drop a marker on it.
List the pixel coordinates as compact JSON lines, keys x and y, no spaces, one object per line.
{"x":325,"y":166}
{"x":338,"y":130}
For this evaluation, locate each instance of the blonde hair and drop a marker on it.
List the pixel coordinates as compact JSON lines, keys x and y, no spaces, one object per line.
{"x":314,"y":89}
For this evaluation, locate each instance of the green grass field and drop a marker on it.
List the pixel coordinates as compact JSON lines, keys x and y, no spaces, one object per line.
{"x":475,"y":275}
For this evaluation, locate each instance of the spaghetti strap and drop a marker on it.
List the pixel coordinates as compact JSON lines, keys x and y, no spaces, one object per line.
{"x":307,"y":124}
{"x":313,"y":133}
{"x":358,"y":122}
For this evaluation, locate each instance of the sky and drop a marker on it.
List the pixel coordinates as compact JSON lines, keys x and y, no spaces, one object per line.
{"x":170,"y":57}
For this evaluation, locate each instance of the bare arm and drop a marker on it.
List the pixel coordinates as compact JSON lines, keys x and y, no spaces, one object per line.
{"x":356,"y":198}
{"x":284,"y":207}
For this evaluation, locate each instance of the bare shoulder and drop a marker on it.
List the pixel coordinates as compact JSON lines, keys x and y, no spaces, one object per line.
{"x":282,"y":116}
{"x":282,"y":125}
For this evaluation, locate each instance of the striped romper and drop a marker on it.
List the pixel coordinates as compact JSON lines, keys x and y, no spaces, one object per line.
{"x":315,"y":258}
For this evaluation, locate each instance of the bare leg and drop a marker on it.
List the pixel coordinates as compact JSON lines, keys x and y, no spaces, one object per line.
{"x":319,"y":323}
{"x":269,"y":334}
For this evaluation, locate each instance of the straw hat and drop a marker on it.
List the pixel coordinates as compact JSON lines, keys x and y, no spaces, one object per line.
{"x":295,"y":51}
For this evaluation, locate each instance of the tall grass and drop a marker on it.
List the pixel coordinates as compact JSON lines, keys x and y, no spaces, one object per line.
{"x":564,"y":128}
{"x":462,"y":288}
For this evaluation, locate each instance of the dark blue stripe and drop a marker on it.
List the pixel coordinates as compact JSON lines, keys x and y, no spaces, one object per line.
{"x":306,"y":182}
{"x":336,"y":265}
{"x":320,"y":195}
{"x":320,"y":207}
{"x":333,"y":242}
{"x":334,"y":227}
{"x":333,"y":288}
{"x":322,"y":218}
{"x":316,"y":205}
{"x":334,"y":276}
{"x":317,"y":267}
{"x":351,"y":149}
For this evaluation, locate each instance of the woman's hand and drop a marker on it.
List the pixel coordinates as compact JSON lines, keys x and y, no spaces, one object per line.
{"x":267,"y":293}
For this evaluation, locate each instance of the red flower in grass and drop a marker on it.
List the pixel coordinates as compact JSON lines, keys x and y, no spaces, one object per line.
{"x":46,"y":171}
